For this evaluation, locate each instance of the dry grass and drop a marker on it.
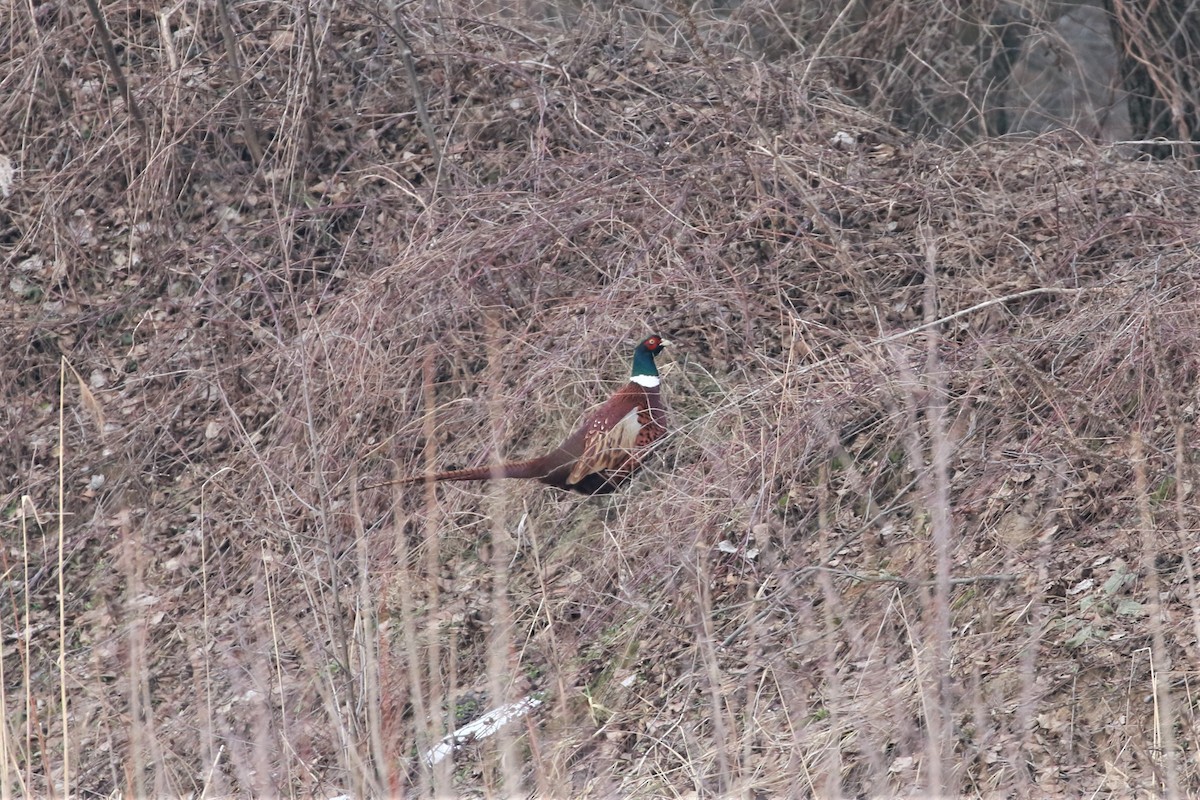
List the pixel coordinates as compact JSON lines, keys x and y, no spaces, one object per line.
{"x":888,"y":549}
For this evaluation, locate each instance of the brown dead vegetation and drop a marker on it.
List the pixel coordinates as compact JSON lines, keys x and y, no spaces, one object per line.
{"x":924,"y":521}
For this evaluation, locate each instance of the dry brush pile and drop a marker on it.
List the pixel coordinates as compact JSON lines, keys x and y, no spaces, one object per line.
{"x":923,"y":520}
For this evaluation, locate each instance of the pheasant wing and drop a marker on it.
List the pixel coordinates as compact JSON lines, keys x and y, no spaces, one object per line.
{"x":607,"y":447}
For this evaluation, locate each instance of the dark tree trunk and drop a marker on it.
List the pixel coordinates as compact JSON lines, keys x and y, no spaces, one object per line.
{"x":999,"y":49}
{"x":1159,"y":43}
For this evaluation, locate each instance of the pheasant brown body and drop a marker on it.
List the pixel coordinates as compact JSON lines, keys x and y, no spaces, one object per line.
{"x":605,"y":451}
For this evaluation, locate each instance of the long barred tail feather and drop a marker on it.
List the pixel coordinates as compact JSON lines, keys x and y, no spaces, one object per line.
{"x":532,"y":468}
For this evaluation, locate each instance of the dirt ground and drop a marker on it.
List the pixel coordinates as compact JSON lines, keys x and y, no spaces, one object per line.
{"x":922,"y":524}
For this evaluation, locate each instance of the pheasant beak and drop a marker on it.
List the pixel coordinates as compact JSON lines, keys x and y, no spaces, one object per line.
{"x":664,"y":343}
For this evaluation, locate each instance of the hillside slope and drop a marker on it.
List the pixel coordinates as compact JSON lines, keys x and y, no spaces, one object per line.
{"x":923,"y":522}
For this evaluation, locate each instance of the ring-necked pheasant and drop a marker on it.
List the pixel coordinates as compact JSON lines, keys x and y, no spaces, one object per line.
{"x":607,"y":448}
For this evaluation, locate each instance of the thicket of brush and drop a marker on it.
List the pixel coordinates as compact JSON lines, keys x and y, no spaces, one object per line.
{"x":923,"y":523}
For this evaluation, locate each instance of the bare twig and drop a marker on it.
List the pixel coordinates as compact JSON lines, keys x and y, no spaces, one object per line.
{"x":110,"y":55}
{"x":249,"y":132}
